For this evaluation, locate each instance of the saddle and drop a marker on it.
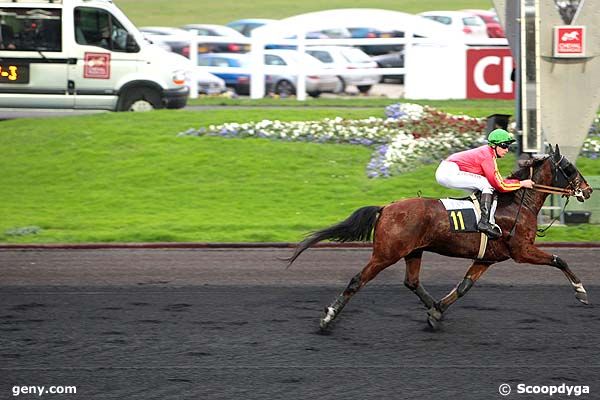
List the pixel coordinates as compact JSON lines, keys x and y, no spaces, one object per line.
{"x":464,"y":214}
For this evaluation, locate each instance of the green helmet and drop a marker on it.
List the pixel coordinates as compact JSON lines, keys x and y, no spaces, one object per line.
{"x":498,"y":136}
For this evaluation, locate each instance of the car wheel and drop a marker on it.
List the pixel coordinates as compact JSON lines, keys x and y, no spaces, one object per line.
{"x":140,"y":99}
{"x":364,"y":88}
{"x":284,"y":88}
{"x":341,"y":87}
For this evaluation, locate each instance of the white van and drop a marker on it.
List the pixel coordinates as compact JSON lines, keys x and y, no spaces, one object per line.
{"x":83,"y":54}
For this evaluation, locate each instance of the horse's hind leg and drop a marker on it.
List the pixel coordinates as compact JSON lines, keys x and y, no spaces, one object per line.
{"x":373,"y":267}
{"x":473,"y":274}
{"x":411,"y":280}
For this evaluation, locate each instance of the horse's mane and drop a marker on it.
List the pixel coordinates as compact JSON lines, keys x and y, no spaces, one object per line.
{"x":523,"y":172}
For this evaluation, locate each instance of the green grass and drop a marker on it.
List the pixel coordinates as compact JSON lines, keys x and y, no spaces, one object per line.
{"x":475,"y":108}
{"x":169,"y":13}
{"x":122,"y":177}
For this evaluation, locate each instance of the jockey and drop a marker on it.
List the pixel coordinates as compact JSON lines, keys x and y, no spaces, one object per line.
{"x":476,"y":169}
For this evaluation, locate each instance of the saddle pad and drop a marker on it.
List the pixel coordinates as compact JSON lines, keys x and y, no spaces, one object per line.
{"x":461,"y":214}
{"x":457,"y":204}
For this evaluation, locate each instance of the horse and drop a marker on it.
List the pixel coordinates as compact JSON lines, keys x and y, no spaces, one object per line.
{"x":407,"y":228}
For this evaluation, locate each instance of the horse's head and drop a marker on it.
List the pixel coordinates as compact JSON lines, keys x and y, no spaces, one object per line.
{"x":565,"y":175}
{"x":555,"y":171}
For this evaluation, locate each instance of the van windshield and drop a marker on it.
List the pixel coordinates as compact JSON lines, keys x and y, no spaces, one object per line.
{"x":96,"y":27}
{"x":30,"y":29}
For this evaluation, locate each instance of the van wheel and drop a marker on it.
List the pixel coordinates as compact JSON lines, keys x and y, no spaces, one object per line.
{"x":140,"y":99}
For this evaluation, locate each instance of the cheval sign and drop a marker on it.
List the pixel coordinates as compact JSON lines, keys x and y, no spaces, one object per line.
{"x":569,"y":41}
{"x":489,"y":73}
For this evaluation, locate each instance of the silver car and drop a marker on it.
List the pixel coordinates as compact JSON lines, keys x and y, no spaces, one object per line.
{"x":284,"y":83}
{"x":344,"y":57}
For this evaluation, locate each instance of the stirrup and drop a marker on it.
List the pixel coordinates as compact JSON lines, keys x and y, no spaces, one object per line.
{"x":493,"y":231}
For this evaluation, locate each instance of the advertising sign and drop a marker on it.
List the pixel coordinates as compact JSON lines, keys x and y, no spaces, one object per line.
{"x":489,"y":72}
{"x":569,"y":41}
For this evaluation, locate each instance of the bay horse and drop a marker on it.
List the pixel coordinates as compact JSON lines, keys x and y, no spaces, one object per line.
{"x":407,"y":228}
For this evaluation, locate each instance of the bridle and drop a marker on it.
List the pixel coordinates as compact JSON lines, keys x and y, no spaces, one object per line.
{"x":568,"y":174}
{"x":565,"y":171}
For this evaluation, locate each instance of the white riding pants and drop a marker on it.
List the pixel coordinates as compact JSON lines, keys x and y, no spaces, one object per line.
{"x":449,"y":175}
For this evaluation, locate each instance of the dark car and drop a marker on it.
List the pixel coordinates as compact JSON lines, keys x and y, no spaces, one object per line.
{"x":375,"y":49}
{"x":390,"y":60}
{"x":204,"y":31}
{"x":175,"y":39}
{"x":247,"y":25}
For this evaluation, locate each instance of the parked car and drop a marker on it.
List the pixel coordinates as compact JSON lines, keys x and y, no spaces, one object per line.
{"x":348,"y":58}
{"x":245,"y":26}
{"x":284,"y":84}
{"x":373,"y":33}
{"x":470,"y":25}
{"x":208,"y":83}
{"x":492,"y":23}
{"x":390,"y":60}
{"x":239,"y":82}
{"x":205,"y":46}
{"x":177,"y":40}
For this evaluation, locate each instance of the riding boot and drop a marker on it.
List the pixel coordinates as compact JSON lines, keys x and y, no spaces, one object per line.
{"x":493,"y":231}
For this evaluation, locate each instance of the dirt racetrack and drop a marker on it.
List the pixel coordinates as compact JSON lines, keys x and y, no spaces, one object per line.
{"x":234,"y":324}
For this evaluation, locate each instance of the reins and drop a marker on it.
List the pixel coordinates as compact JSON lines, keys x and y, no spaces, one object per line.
{"x":541,"y":232}
{"x":550,"y":189}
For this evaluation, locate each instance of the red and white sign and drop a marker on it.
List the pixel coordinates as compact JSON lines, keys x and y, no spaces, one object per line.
{"x":96,"y":65}
{"x":569,"y":41}
{"x":488,"y":73}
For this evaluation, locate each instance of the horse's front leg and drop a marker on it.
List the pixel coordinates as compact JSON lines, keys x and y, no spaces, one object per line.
{"x":532,"y":255}
{"x":473,"y":274}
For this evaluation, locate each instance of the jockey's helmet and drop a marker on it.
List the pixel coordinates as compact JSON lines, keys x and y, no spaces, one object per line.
{"x":498,"y":136}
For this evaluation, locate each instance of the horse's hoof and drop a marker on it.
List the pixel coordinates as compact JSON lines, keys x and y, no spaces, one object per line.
{"x":434,"y":313}
{"x":582,"y":297}
{"x":327,"y":318}
{"x":434,"y":324}
{"x":434,"y":318}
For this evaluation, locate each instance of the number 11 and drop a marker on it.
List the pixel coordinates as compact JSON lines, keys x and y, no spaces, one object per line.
{"x":457,"y":218}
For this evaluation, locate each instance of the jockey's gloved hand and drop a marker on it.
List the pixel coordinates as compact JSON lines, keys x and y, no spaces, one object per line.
{"x":527,"y":183}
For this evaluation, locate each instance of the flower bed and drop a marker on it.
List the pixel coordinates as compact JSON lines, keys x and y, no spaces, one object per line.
{"x":408,"y":137}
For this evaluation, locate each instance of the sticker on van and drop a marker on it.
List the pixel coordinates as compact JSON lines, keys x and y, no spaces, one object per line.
{"x":96,"y":65}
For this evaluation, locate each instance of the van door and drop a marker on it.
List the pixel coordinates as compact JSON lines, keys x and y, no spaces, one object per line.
{"x":102,"y":58}
{"x":33,"y":60}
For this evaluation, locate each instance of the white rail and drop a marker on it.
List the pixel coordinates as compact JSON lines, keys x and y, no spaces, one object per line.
{"x":258,"y":70}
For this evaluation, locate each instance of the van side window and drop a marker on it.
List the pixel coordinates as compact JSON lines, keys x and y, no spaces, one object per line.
{"x":30,"y":29}
{"x":96,"y":27}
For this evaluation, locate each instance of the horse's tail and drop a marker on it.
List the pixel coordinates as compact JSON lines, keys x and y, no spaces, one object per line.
{"x":357,"y":227}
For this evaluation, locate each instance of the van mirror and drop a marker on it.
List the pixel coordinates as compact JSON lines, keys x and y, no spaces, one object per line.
{"x":131,"y":45}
